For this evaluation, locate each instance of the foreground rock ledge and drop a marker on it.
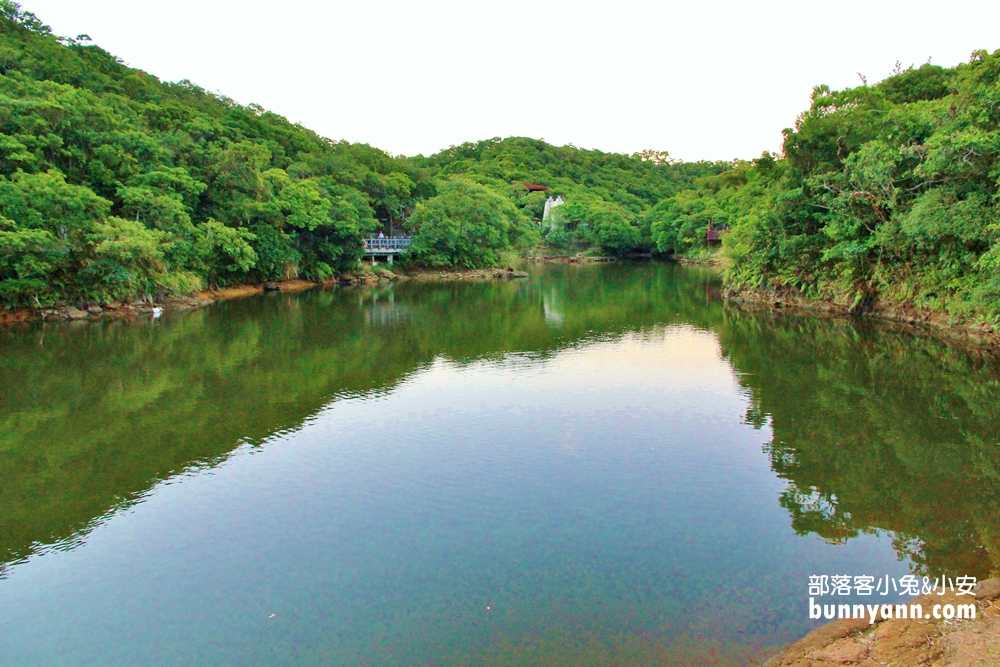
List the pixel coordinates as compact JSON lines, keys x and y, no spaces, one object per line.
{"x":906,"y":643}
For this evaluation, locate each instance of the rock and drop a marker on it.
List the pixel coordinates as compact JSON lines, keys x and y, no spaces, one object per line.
{"x":94,"y":309}
{"x":974,"y":646}
{"x":112,"y":305}
{"x":76,"y":314}
{"x":846,"y":653}
{"x":989,"y":589}
{"x":272,"y":287}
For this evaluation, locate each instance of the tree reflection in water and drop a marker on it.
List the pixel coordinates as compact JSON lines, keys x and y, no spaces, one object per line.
{"x":875,"y":429}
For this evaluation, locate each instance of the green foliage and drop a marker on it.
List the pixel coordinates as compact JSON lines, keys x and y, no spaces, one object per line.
{"x":114,"y":185}
{"x":225,"y":253}
{"x":128,"y":259}
{"x":607,"y":190}
{"x":610,"y":227}
{"x":229,"y":193}
{"x":884,"y":192}
{"x":679,"y":224}
{"x":465,"y":225}
{"x":25,"y":261}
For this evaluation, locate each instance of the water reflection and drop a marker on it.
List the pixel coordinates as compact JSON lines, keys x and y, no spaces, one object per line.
{"x":876,"y":429}
{"x":581,"y":451}
{"x":93,"y":414}
{"x":873,"y":428}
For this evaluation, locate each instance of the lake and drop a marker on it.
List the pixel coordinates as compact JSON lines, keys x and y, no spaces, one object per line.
{"x":599,"y":465}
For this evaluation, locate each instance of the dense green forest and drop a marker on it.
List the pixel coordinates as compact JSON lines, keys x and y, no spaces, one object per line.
{"x":884,"y":192}
{"x":115,"y":185}
{"x":609,"y":196}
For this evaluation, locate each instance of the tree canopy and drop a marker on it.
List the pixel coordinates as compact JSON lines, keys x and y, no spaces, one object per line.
{"x":883,"y":192}
{"x":608,"y":195}
{"x":114,"y":184}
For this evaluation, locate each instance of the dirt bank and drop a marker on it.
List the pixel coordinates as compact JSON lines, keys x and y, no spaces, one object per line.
{"x":240,"y":291}
{"x":906,"y":643}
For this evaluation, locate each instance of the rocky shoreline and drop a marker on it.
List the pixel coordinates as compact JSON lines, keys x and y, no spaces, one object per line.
{"x":568,"y":259}
{"x":942,"y":324}
{"x":114,"y":309}
{"x":464,"y":274}
{"x":906,"y":642}
{"x":150,"y":308}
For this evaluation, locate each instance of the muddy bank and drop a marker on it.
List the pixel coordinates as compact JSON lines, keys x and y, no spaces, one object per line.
{"x":146,"y":308}
{"x":239,"y":291}
{"x":381,"y":273}
{"x":906,"y":643}
{"x":943,"y":324}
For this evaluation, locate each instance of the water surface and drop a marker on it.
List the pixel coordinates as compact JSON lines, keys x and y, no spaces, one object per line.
{"x":600,"y":465}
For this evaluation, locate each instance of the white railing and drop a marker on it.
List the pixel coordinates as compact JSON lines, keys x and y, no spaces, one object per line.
{"x":388,"y":244}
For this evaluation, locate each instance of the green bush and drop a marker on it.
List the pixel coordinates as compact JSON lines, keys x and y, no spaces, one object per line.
{"x":465,"y":225}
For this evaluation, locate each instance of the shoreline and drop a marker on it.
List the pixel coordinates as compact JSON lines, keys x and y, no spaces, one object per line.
{"x":906,"y":643}
{"x":569,"y":259}
{"x":771,"y":300}
{"x":926,"y":321}
{"x":202,"y":298}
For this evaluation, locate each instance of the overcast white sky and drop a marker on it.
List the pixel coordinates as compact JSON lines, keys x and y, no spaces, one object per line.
{"x":702,"y":80}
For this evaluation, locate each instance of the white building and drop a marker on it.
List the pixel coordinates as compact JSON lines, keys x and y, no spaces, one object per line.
{"x":549,"y":213}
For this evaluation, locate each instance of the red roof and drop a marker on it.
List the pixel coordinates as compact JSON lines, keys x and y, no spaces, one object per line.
{"x":534,"y":187}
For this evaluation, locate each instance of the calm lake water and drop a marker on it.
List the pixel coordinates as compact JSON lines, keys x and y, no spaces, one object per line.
{"x":600,"y":465}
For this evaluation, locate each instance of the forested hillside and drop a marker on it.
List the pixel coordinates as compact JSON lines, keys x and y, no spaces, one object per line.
{"x":608,"y":196}
{"x":885,"y":193}
{"x":115,"y":185}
